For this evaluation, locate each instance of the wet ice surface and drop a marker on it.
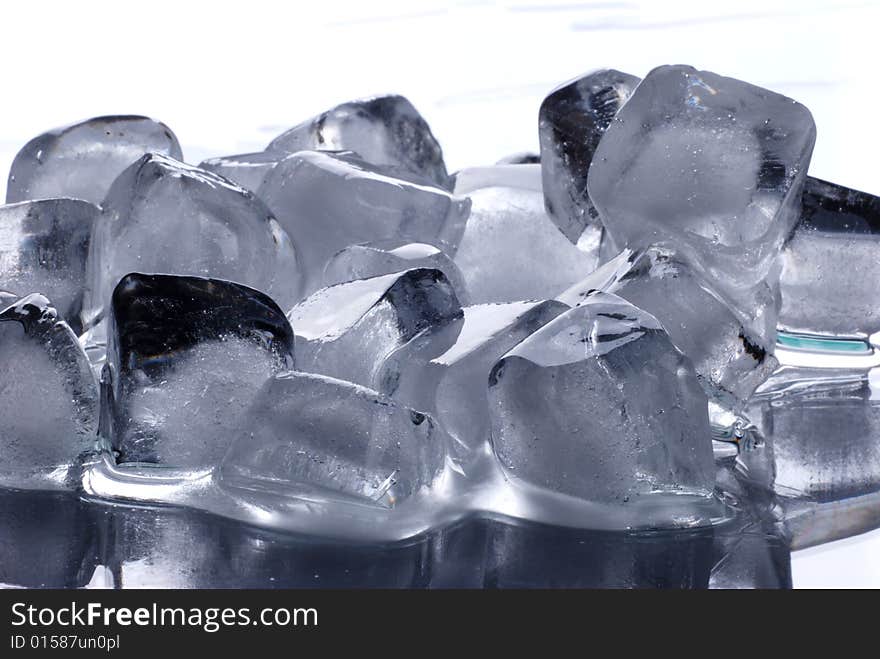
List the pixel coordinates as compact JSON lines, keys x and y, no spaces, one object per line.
{"x":82,"y":160}
{"x":43,"y":249}
{"x":249,"y":170}
{"x":328,"y":201}
{"x":48,"y":398}
{"x":186,"y":359}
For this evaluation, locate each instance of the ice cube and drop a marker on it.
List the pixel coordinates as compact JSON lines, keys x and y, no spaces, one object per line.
{"x":599,"y":404}
{"x":383,"y":130}
{"x":43,"y":249}
{"x":751,"y":557}
{"x":571,"y":121}
{"x":347,"y":331}
{"x":732,"y":352}
{"x":82,"y":160}
{"x":327,"y":202}
{"x":388,"y":256}
{"x":48,"y":397}
{"x":445,"y":372}
{"x":249,"y":170}
{"x":511,"y":250}
{"x":186,"y":358}
{"x":308,"y":435}
{"x":167,"y":217}
{"x":827,"y":283}
{"x":710,"y":164}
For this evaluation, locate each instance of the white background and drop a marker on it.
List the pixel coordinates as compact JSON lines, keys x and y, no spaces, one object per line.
{"x":228,"y":76}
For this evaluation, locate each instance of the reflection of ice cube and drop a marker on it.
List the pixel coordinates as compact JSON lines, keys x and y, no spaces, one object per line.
{"x":446,"y":371}
{"x":43,"y":249}
{"x":48,"y":398}
{"x":383,"y":130}
{"x":163,"y":216}
{"x":731,"y":348}
{"x":187,"y":356}
{"x":313,"y":436}
{"x":710,"y":164}
{"x":82,"y":160}
{"x":347,"y":331}
{"x":600,"y":405}
{"x":572,"y":120}
{"x":511,"y":250}
{"x":386,"y":256}
{"x":827,"y":283}
{"x":328,"y":201}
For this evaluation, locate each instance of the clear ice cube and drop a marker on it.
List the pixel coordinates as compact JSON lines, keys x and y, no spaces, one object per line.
{"x":48,"y":397}
{"x":43,"y":249}
{"x":571,"y":121}
{"x":732,"y":353}
{"x":446,"y":371}
{"x":827,"y":284}
{"x":82,"y":160}
{"x":187,"y":356}
{"x":166,"y":217}
{"x":599,"y":404}
{"x":346,"y":331}
{"x":383,"y":130}
{"x":712,"y":165}
{"x":249,"y":170}
{"x":309,"y":435}
{"x":328,"y":201}
{"x":511,"y":250}
{"x":384,"y":257}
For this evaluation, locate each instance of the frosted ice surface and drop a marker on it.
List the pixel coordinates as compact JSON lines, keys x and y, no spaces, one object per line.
{"x":313,"y":436}
{"x":43,"y":249}
{"x":820,"y":430}
{"x":346,"y":331}
{"x":249,"y":170}
{"x":48,"y":398}
{"x":828,"y":282}
{"x":511,"y":250}
{"x":383,"y":130}
{"x":599,"y":404}
{"x":166,"y":217}
{"x":571,"y":121}
{"x":732,"y":353}
{"x":82,"y":160}
{"x":446,"y":371}
{"x":187,"y":356}
{"x":327,"y":202}
{"x":713,"y":165}
{"x":387,"y":256}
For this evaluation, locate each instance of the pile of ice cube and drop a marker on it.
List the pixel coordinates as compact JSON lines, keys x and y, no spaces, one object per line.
{"x":336,"y":335}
